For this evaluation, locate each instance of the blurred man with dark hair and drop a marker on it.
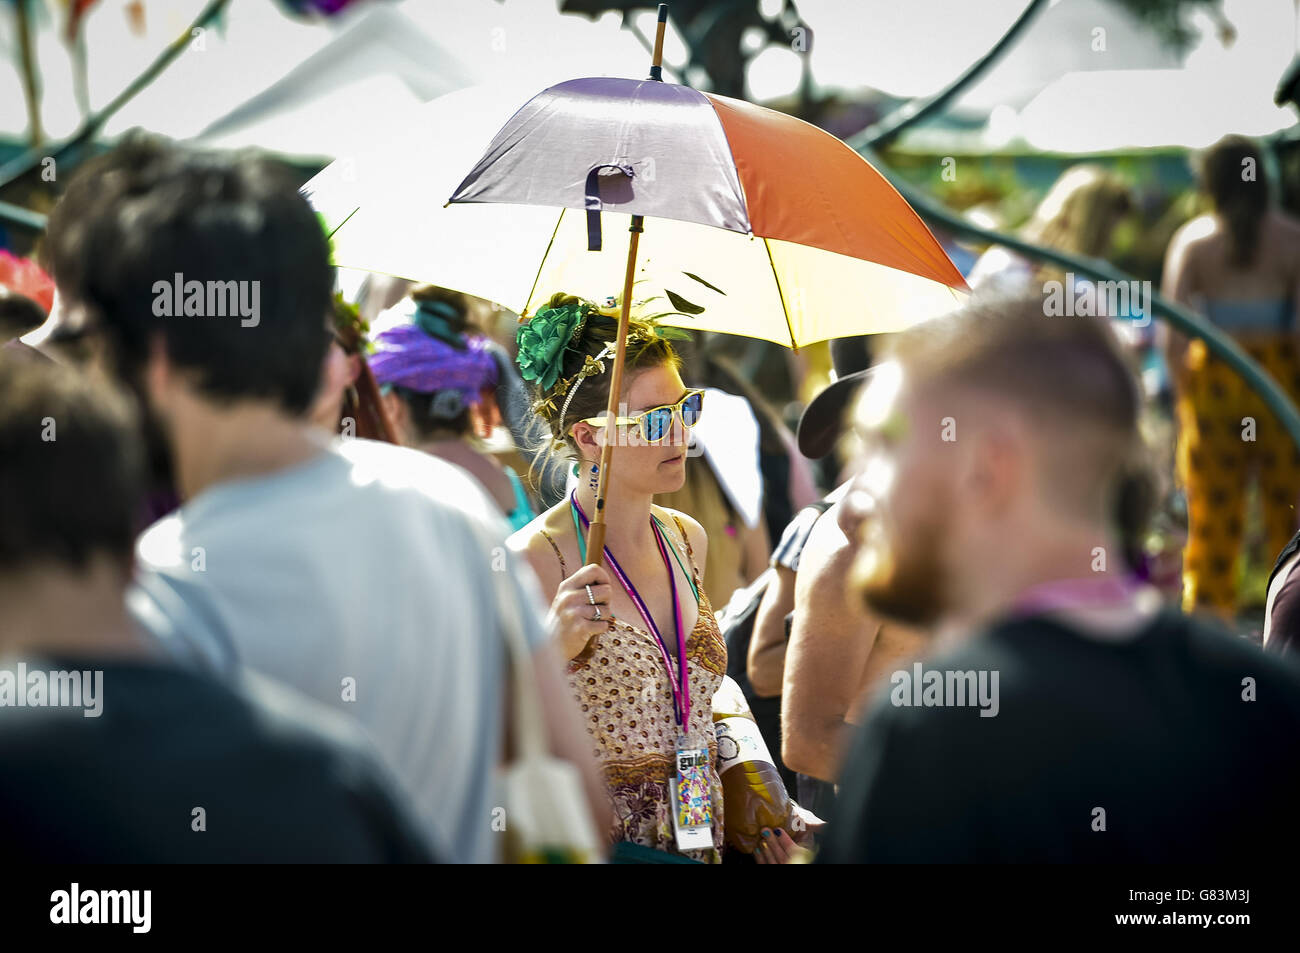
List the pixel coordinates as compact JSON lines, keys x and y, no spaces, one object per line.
{"x":1071,"y":718}
{"x":107,"y":752}
{"x":361,"y":573}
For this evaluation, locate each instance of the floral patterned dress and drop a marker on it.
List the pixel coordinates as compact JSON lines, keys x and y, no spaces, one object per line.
{"x":626,"y":702}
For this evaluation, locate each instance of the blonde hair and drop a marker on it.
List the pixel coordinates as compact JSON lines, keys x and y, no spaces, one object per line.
{"x":1079,"y":212}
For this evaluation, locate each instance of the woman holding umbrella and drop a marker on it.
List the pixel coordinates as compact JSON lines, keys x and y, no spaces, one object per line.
{"x":644,"y":652}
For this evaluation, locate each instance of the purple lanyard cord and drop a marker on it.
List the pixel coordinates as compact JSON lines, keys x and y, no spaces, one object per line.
{"x":1076,"y":593}
{"x":678,"y":681}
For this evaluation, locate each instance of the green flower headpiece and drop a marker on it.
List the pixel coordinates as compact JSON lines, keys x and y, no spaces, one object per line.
{"x":543,"y":340}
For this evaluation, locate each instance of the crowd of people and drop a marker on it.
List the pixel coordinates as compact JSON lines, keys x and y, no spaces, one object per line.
{"x":320,"y":574}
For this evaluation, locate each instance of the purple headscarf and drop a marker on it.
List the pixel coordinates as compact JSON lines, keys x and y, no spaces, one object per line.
{"x":407,"y":356}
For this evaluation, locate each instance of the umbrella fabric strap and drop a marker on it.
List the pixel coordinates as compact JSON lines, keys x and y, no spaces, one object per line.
{"x":593,"y":202}
{"x":677,"y":681}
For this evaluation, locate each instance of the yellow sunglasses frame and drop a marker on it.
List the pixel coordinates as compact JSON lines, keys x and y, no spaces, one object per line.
{"x":629,"y":421}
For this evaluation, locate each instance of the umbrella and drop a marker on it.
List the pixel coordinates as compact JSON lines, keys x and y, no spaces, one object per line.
{"x":763,"y":225}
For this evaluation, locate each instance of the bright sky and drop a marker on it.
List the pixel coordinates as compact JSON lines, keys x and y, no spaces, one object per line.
{"x":421,"y":48}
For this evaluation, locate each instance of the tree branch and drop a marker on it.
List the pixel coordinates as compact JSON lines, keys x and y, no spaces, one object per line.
{"x":29,"y":160}
{"x":889,"y":128}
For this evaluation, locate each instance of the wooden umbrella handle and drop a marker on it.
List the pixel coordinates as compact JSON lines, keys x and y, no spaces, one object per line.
{"x":596,"y":531}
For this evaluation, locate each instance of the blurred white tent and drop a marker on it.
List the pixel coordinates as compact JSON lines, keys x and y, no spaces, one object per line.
{"x":1125,"y":109}
{"x":377,"y":68}
{"x":304,"y":88}
{"x":371,"y":77}
{"x":1223,"y":85}
{"x":917,"y":48}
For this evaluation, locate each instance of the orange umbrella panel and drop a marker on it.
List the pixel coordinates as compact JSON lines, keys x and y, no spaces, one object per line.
{"x":804,"y":186}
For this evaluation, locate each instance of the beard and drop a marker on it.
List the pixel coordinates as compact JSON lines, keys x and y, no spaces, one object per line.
{"x":904,"y":578}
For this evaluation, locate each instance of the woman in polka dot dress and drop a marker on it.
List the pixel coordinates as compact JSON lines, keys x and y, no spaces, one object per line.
{"x":625,"y":679}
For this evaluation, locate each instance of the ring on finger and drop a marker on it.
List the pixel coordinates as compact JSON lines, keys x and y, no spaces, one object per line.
{"x":591,"y":598}
{"x":596,"y":617}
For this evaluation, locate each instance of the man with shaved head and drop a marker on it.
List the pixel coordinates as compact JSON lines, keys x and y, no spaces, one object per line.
{"x":1064,"y":715}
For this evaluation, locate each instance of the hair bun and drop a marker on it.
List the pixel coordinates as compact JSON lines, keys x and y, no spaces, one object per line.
{"x":441,"y":320}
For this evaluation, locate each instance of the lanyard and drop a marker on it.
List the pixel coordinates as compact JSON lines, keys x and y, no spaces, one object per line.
{"x":582,"y":549}
{"x":678,"y":681}
{"x":1075,"y":593}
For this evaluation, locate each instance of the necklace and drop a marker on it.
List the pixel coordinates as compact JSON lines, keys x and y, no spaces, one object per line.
{"x":1077,"y":593}
{"x":677,"y":680}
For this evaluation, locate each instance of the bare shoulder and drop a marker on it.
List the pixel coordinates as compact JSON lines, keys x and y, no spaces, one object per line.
{"x":822,"y":587}
{"x":538,"y":542}
{"x":695,"y":534}
{"x":827,"y":546}
{"x":1194,"y":233}
{"x":1284,"y":227}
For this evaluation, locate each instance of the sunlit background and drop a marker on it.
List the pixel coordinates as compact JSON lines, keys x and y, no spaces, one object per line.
{"x":1087,"y":75}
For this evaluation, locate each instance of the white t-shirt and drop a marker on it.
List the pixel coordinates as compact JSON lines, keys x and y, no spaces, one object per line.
{"x":363,"y":578}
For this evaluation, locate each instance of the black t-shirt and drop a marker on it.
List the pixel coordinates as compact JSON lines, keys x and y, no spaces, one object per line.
{"x":1155,"y":732}
{"x":278,"y":778}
